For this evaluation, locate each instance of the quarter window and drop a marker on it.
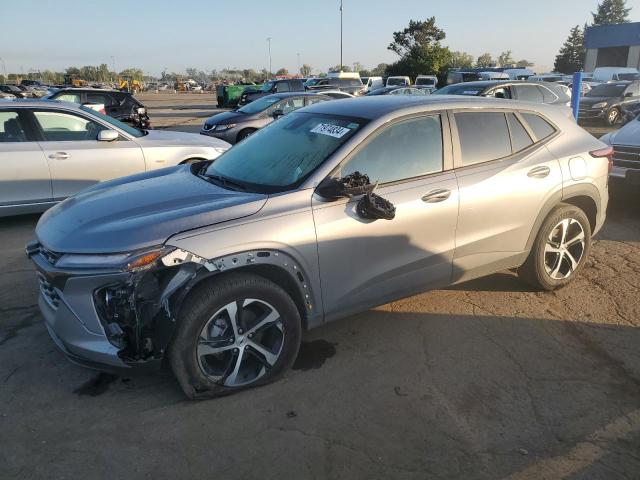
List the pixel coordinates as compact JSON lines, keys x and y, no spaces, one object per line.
{"x":540,"y":127}
{"x":62,"y":127}
{"x":69,"y":97}
{"x":520,"y":139}
{"x":405,"y":150}
{"x":547,"y":95}
{"x":11,"y":128}
{"x":484,"y":136}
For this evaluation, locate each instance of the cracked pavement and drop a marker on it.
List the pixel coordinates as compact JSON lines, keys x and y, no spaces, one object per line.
{"x":485,"y":380}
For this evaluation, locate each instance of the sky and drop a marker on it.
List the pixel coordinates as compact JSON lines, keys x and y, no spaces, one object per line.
{"x":166,"y":34}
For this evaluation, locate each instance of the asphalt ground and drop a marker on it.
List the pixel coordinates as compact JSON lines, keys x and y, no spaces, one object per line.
{"x":485,"y":380}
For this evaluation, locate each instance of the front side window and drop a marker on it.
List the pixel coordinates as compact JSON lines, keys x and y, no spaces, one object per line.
{"x":134,"y":132}
{"x":290,"y":104}
{"x":500,"y":92}
{"x":540,"y":127}
{"x":259,"y":105}
{"x":280,"y":156}
{"x":529,"y":93}
{"x":63,"y":127}
{"x":11,"y":128}
{"x":484,"y":136}
{"x":407,"y":149}
{"x":520,"y":139}
{"x":547,"y":95}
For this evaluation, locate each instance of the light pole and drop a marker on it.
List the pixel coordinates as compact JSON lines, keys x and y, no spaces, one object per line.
{"x":298,"y":62}
{"x":340,"y":35}
{"x":113,"y":65}
{"x":4,"y":69}
{"x":269,"y":42}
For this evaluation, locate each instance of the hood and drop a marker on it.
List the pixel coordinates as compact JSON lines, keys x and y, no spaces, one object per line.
{"x":627,"y":135}
{"x":588,"y":101}
{"x":170,"y":138}
{"x":140,"y":211}
{"x":227,"y":117}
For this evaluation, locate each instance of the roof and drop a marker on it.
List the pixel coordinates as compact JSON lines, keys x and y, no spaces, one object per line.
{"x":377,"y":106}
{"x":89,"y":90}
{"x":295,"y":94}
{"x":616,"y":35}
{"x":37,"y":102}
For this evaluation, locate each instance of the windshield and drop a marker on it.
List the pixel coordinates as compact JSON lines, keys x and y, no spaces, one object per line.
{"x":425,"y":81}
{"x":134,"y":132}
{"x":267,"y":87}
{"x":628,"y":76}
{"x":607,"y":90}
{"x":460,"y":89}
{"x":396,"y":81}
{"x":279,"y":157}
{"x":259,"y":105}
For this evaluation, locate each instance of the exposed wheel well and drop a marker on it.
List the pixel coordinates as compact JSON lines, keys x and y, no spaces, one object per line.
{"x":242,"y":132}
{"x":193,"y":160}
{"x":587,"y":205}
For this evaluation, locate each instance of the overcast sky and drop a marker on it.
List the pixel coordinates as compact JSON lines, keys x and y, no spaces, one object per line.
{"x":158,"y":34}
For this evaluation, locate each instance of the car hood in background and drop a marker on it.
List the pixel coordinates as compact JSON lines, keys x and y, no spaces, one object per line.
{"x":140,"y":211}
{"x":169,"y":138}
{"x":228,"y":117}
{"x":588,"y":101}
{"x":627,"y":135}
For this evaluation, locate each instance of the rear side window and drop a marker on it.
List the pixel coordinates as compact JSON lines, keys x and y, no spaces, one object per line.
{"x":547,"y":95}
{"x":11,"y":128}
{"x":529,"y":93}
{"x":404,"y":150}
{"x":520,"y":139}
{"x":99,"y":98}
{"x":484,"y":136}
{"x":540,"y":127}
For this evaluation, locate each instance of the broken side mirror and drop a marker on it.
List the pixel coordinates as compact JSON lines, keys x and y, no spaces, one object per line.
{"x":374,"y":207}
{"x":351,"y":185}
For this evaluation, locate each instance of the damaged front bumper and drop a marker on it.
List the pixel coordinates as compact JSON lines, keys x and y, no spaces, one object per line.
{"x":110,"y":319}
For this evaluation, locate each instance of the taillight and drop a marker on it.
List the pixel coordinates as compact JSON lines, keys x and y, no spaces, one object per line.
{"x":604,"y":153}
{"x":103,"y":111}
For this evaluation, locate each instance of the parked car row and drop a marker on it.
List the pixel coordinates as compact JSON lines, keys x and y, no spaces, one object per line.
{"x":218,"y":267}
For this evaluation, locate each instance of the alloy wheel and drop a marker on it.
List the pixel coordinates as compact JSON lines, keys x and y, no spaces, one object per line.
{"x":240,"y":342}
{"x":564,"y":249}
{"x":613,"y":117}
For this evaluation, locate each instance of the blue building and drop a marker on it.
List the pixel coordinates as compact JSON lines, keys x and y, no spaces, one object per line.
{"x":612,"y":46}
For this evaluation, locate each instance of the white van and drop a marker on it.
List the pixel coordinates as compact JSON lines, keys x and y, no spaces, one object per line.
{"x":372,"y":83}
{"x":615,"y":74}
{"x":429,"y":81}
{"x":493,"y":76}
{"x":398,"y":81}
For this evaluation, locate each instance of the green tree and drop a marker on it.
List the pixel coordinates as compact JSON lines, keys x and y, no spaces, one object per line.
{"x":305,"y":70}
{"x":134,"y":73}
{"x":380,"y":70}
{"x":420,"y":49}
{"x":524,"y":64}
{"x":611,"y":11}
{"x":336,"y":68}
{"x":282,"y":71}
{"x":192,"y":72}
{"x":505,"y":59}
{"x":485,"y":60}
{"x":357,"y":66}
{"x":570,"y":59}
{"x":461,"y":60}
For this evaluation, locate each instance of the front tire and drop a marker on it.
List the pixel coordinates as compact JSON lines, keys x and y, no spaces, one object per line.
{"x":234,"y":333}
{"x":560,"y":249}
{"x":247,"y":132}
{"x":613,"y":117}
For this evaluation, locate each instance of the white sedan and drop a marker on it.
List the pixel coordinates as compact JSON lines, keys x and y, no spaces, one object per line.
{"x":51,"y":150}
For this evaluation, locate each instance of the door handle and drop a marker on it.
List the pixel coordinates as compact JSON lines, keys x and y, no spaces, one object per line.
{"x":59,"y":156}
{"x":436,"y":196}
{"x":539,"y":172}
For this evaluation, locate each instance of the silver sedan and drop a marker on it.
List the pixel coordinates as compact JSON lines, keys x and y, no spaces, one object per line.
{"x":51,"y":150}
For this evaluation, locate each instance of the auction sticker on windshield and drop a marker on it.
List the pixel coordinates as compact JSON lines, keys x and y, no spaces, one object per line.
{"x":335,"y":131}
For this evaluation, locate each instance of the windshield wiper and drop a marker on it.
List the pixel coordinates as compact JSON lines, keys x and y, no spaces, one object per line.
{"x":225,"y":182}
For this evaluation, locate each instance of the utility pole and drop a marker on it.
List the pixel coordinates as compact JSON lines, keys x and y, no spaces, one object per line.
{"x":340,"y":35}
{"x":269,"y":42}
{"x":298,"y":62}
{"x":113,"y":66}
{"x":4,"y":69}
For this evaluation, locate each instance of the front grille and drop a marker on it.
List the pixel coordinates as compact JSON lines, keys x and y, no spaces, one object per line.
{"x":49,"y":293}
{"x":628,"y":157}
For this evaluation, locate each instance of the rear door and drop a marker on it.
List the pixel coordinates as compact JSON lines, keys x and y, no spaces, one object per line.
{"x":24,"y":173}
{"x":76,"y":158}
{"x":505,"y":175}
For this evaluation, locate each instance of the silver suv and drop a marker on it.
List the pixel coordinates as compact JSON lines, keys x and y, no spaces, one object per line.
{"x":331,"y":210}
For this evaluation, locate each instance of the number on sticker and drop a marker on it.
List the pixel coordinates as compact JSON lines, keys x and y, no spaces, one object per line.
{"x":335,"y":131}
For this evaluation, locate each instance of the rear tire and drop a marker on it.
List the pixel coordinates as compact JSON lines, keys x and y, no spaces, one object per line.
{"x":234,"y":333}
{"x":613,"y":116}
{"x":560,"y":249}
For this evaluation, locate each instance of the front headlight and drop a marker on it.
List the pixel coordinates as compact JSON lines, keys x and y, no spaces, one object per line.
{"x":222,"y":128}
{"x":126,"y":262}
{"x":599,"y":106}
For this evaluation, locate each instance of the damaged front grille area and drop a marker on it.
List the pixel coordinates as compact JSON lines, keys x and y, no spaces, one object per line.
{"x":48,"y":292}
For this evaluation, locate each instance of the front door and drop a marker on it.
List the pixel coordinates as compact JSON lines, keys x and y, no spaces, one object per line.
{"x":365,"y":263}
{"x":76,"y":158}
